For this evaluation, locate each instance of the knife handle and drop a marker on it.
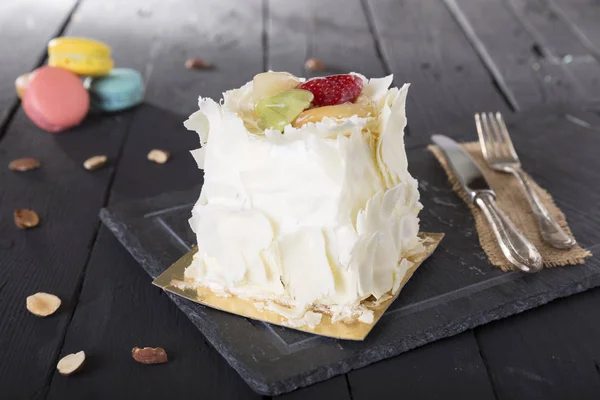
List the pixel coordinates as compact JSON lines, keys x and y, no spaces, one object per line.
{"x":514,"y":245}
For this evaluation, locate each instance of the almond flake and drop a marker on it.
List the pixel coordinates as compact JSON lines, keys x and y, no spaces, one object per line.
{"x":23,"y":164}
{"x":71,"y":363}
{"x":314,"y":64}
{"x":159,"y":156}
{"x":25,"y":219}
{"x":43,"y":304}
{"x":198,"y":63}
{"x":95,"y":162}
{"x":149,"y":355}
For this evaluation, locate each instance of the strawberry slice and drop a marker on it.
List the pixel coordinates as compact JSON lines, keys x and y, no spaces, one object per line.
{"x":334,"y":89}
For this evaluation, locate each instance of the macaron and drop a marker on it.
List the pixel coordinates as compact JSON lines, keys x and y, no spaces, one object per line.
{"x":82,"y":56}
{"x":21,"y":83}
{"x":55,"y":99}
{"x":122,"y":88}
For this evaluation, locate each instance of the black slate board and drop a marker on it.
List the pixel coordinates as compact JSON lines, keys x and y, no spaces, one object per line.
{"x":455,"y":290}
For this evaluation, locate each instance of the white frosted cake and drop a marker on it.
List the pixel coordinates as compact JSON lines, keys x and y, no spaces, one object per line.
{"x":307,"y":206}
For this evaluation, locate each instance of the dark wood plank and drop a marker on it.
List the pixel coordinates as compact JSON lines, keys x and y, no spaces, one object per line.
{"x":227,"y":34}
{"x":557,"y":43}
{"x":135,"y":312}
{"x":547,"y":353}
{"x":510,"y":51}
{"x":582,"y":17}
{"x":53,"y":257}
{"x":447,"y":369}
{"x":336,"y":32}
{"x":26,"y":26}
{"x":425,"y":46}
{"x":50,"y":257}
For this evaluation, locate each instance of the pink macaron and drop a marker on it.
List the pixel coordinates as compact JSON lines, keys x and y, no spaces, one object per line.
{"x":55,"y":99}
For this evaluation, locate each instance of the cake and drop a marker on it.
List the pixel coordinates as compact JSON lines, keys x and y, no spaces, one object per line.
{"x":307,"y":206}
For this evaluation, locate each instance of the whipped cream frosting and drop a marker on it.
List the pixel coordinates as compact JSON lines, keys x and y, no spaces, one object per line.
{"x":317,"y":219}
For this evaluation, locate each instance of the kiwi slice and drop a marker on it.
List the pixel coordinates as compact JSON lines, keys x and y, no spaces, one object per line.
{"x":275,"y":112}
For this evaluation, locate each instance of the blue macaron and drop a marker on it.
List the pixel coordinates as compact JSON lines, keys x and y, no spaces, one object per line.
{"x":122,"y":88}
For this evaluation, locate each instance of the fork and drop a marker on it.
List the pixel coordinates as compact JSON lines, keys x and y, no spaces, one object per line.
{"x":500,"y":154}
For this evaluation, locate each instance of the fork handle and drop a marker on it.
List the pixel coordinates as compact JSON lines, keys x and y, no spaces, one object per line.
{"x":514,"y":245}
{"x":550,"y":230}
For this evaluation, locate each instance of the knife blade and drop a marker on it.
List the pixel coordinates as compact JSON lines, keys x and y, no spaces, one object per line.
{"x":466,"y":171}
{"x":517,"y":249}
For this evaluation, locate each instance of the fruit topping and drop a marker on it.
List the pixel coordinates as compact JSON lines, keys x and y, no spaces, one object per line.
{"x":269,"y":84}
{"x":277,"y":111}
{"x":339,"y":111}
{"x":334,"y":89}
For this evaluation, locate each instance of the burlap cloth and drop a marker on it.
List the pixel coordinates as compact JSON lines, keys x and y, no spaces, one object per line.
{"x":513,"y":202}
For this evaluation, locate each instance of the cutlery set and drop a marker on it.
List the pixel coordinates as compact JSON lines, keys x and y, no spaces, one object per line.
{"x":500,"y":155}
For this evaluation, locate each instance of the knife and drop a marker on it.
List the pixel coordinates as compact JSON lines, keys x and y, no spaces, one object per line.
{"x":514,"y":245}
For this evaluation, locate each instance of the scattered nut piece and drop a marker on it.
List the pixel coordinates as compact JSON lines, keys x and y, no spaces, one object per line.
{"x":23,"y":164}
{"x":149,"y":355}
{"x":25,"y":218}
{"x":71,"y":363}
{"x":95,"y":162}
{"x":198,"y":63}
{"x":43,"y":304}
{"x":159,"y":156}
{"x":314,"y":64}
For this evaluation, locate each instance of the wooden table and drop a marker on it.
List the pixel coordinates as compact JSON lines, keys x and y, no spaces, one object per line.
{"x":461,"y":56}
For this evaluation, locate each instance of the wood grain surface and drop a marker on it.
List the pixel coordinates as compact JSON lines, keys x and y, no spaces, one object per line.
{"x":448,"y":80}
{"x":531,"y":79}
{"x":457,"y":63}
{"x":556,"y":43}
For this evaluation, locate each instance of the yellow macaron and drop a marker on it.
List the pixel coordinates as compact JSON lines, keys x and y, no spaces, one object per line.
{"x":80,"y":55}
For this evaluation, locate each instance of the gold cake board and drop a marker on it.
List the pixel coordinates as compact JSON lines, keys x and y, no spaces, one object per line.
{"x":171,"y":279}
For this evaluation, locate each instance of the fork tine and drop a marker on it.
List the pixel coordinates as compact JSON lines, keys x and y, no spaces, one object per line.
{"x":507,"y":140}
{"x":495,"y":133}
{"x":481,"y":134}
{"x":488,"y":140}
